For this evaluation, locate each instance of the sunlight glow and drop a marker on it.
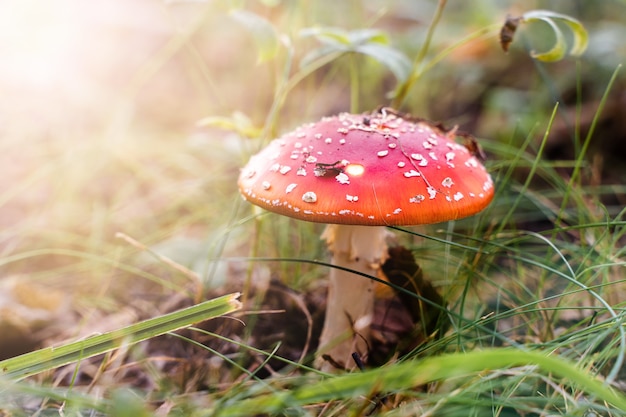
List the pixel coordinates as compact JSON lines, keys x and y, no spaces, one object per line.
{"x":41,"y":42}
{"x":355,"y":170}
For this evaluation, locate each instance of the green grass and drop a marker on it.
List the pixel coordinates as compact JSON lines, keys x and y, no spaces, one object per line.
{"x":147,"y":145}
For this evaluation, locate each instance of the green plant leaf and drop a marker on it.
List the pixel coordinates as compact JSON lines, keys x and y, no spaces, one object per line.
{"x":328,"y":36}
{"x":262,"y":31}
{"x":364,"y":36}
{"x":371,"y":42}
{"x":318,"y":53}
{"x":345,"y":40}
{"x":53,"y":357}
{"x":393,"y":59}
{"x":559,"y":50}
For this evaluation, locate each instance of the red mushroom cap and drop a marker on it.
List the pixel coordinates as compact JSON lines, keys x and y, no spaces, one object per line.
{"x":378,"y":169}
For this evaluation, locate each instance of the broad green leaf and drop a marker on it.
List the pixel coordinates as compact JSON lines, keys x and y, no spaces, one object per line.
{"x":392,"y":58}
{"x":262,"y":31}
{"x":371,"y":42}
{"x":42,"y":360}
{"x":363,"y":36}
{"x":580,"y":36}
{"x":328,"y":36}
{"x":319,"y":53}
{"x":346,"y":40}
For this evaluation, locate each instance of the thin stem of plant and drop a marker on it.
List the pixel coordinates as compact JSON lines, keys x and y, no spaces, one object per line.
{"x":585,"y":146}
{"x":354,"y":84}
{"x":416,"y":70}
{"x":288,"y":84}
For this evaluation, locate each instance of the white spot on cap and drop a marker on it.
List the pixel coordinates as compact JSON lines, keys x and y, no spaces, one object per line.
{"x":432,"y":193}
{"x":266,"y":185}
{"x":397,"y":211}
{"x":412,"y":173}
{"x":342,"y":141}
{"x":427,"y":145}
{"x":290,"y":188}
{"x":284,"y":169}
{"x":328,"y":140}
{"x":301,"y":171}
{"x":450,"y":156}
{"x":447,"y":182}
{"x":432,"y":156}
{"x":343,"y":178}
{"x":401,"y":164}
{"x":352,"y":198}
{"x":458,"y":196}
{"x":417,"y":199}
{"x":311,"y":159}
{"x":318,"y":136}
{"x":471,"y":163}
{"x":392,"y":145}
{"x":419,"y":157}
{"x":383,"y":153}
{"x":309,"y":197}
{"x":275,"y":167}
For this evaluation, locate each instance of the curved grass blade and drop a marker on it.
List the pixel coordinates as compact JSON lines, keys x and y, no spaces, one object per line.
{"x":580,"y":36}
{"x":42,"y":360}
{"x":407,"y":375}
{"x":559,"y":50}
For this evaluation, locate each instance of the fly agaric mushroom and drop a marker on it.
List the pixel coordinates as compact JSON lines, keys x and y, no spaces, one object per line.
{"x":359,"y":173}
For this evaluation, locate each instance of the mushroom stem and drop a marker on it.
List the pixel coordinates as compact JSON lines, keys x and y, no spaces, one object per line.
{"x":350,"y":304}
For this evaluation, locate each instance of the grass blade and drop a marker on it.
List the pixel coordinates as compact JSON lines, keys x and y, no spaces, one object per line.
{"x":405,"y":376}
{"x":42,"y":360}
{"x":579,"y":33}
